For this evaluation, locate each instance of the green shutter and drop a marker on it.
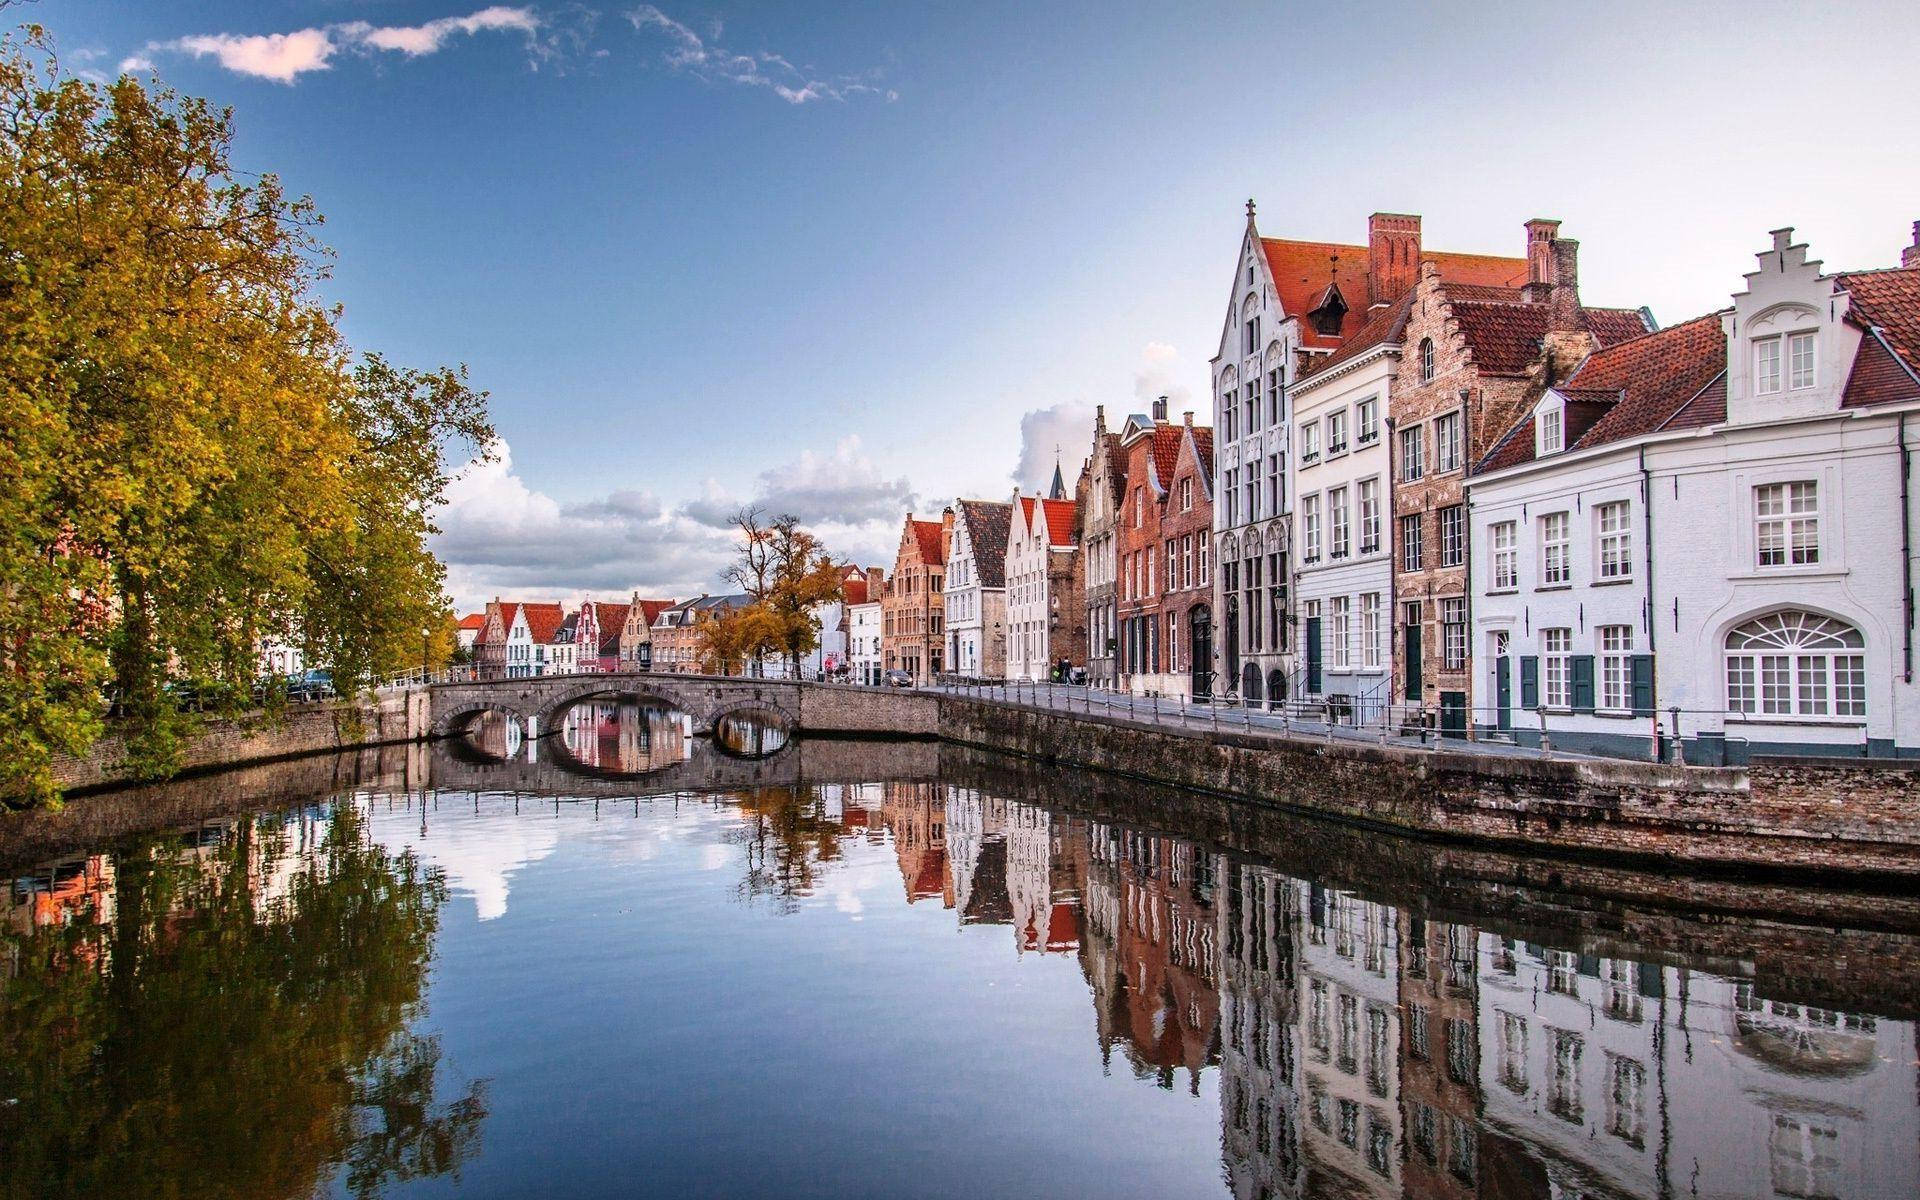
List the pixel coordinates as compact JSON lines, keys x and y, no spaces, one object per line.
{"x":1641,"y":666}
{"x":1583,"y":683}
{"x":1529,"y":682}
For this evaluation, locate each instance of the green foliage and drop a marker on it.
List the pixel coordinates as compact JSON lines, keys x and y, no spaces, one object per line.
{"x":194,"y":460}
{"x":199,"y":1034}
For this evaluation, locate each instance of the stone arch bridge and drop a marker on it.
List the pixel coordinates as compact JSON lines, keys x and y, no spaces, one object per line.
{"x":539,"y":702}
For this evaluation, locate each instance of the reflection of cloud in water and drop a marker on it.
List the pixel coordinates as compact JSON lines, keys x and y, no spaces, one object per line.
{"x":478,"y":855}
{"x":716,"y":857}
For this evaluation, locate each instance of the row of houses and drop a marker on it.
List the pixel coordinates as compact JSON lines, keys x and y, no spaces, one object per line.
{"x":1440,"y":488}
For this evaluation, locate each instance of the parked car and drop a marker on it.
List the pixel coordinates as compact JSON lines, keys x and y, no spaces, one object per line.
{"x":311,"y":685}
{"x":899,"y":678}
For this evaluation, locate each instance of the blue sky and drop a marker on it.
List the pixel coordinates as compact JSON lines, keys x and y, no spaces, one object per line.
{"x":844,"y":258}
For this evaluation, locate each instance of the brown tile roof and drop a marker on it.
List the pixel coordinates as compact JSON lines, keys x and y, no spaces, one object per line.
{"x":1386,"y":327}
{"x":650,"y":610}
{"x":1302,"y":272}
{"x":1887,"y":305}
{"x":1203,"y":450}
{"x":988,"y":522}
{"x":1505,"y":336}
{"x":612,"y":619}
{"x":474,"y":621}
{"x":1643,"y":384}
{"x":543,"y":620}
{"x":928,"y":536}
{"x":1166,"y":453}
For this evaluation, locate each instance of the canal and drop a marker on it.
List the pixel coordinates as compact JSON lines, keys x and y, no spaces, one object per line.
{"x":623,"y":961}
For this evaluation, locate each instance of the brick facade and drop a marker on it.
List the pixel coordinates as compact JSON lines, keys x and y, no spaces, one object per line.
{"x":913,"y":609}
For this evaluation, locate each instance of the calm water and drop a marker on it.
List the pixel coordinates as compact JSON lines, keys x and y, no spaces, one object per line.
{"x":567,"y":967}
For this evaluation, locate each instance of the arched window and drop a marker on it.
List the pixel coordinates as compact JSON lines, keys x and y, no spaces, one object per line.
{"x":1426,"y":360}
{"x":1794,"y":663}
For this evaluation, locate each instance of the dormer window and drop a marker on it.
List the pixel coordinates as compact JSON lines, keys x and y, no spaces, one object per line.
{"x":1787,"y":361}
{"x":1766,"y":366}
{"x":1800,"y":359}
{"x":1552,"y":432}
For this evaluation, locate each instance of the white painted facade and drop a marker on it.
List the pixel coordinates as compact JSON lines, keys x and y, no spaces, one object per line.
{"x":520,"y":646}
{"x":976,"y":612}
{"x":1349,"y":992}
{"x":1030,"y":601}
{"x":1773,"y":604}
{"x":826,"y":658}
{"x":864,"y":626}
{"x":1343,"y":565}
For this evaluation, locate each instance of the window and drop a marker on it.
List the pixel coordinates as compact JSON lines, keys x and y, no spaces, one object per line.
{"x":1204,"y":541}
{"x":1370,"y":631}
{"x":1339,"y":622}
{"x":1253,"y":403}
{"x":1558,"y":644}
{"x":1229,"y":415}
{"x":1254,"y":638}
{"x":1506,"y":557}
{"x":1310,"y":442}
{"x":1273,"y":484}
{"x":1550,"y":430}
{"x":1766,"y":366}
{"x":1556,"y":566}
{"x":1310,"y":529}
{"x":1787,"y":523}
{"x":1800,"y":360}
{"x":1336,"y":433}
{"x":1453,"y":633}
{"x":1337,"y":522}
{"x":1513,"y":1052}
{"x":1253,"y":333}
{"x":1616,"y":540}
{"x":1147,"y":572}
{"x":1794,"y":663}
{"x":1446,"y":442}
{"x":1410,"y":555}
{"x":1186,"y":494}
{"x":1273,"y":396}
{"x":1173,"y":565}
{"x":1616,"y":673}
{"x":1417,"y":1045}
{"x":1366,"y":419}
{"x":1426,"y":360}
{"x":1233,"y":482}
{"x":1369,"y":515}
{"x":1186,"y":561}
{"x":1453,"y":535}
{"x":1563,"y":1084}
{"x":1413,"y":454}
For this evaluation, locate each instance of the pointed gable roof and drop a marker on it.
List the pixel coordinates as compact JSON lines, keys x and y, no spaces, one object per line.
{"x":1886,"y":304}
{"x":1165,"y":454}
{"x":650,"y":610}
{"x":1304,"y":272}
{"x":543,"y":621}
{"x":612,"y":620}
{"x":988,"y":525}
{"x":1059,"y":515}
{"x":927,"y":535}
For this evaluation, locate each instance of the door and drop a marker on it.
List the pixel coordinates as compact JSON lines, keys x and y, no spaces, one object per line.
{"x":1200,"y":649}
{"x":1503,"y":692}
{"x":1313,"y":656}
{"x":1453,"y":714}
{"x":1414,"y":682}
{"x":1233,"y":639}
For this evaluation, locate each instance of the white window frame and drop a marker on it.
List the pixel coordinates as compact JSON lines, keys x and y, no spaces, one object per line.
{"x":1368,"y":491}
{"x":1769,"y":365}
{"x":1338,"y":529}
{"x":1413,"y":454}
{"x":1309,"y":443}
{"x":1556,"y":549}
{"x":1552,"y":430}
{"x":1413,"y":552}
{"x":1504,"y":539}
{"x":1366,"y":421}
{"x":1339,"y":627}
{"x":1556,"y":668}
{"x":1446,"y":443}
{"x":1453,"y":534}
{"x":1310,"y":528}
{"x":1336,"y":432}
{"x":1613,"y":525}
{"x":1370,"y":630}
{"x":1797,"y":666}
{"x":1786,"y":522}
{"x":1616,"y":668}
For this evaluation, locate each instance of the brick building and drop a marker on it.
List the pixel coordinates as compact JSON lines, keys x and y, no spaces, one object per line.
{"x":913,"y":610}
{"x":1475,"y":358}
{"x":1185,"y":602}
{"x":1099,"y":521}
{"x":1152,"y":448}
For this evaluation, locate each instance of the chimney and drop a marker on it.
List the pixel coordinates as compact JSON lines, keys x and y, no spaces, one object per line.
{"x":1541,"y":235}
{"x":1563,"y":306}
{"x":1160,"y":411}
{"x":1910,"y":257}
{"x":1393,"y":256}
{"x":1186,"y":418}
{"x":1099,"y":419}
{"x":876,"y":582}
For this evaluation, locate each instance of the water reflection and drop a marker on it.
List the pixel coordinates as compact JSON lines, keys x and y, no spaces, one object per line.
{"x":749,"y":734}
{"x":1332,"y":1038}
{"x":624,"y":738}
{"x":226,"y":1012}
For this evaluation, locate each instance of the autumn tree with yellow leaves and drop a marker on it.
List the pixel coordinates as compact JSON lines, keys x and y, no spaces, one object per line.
{"x":194,"y":457}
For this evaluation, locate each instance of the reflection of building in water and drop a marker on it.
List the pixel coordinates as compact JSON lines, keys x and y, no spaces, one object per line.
{"x":625,"y":737}
{"x":1259,"y":1058}
{"x":1349,"y":992}
{"x":1149,"y":950}
{"x":1641,"y":1079}
{"x":916,"y":814}
{"x":1440,"y":1059}
{"x":63,"y":893}
{"x":1042,"y":888}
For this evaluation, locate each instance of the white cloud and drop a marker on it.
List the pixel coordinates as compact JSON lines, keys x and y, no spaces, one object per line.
{"x":500,"y":537}
{"x":706,"y":59}
{"x":1156,"y":378}
{"x":284,"y":57}
{"x":1062,"y":433}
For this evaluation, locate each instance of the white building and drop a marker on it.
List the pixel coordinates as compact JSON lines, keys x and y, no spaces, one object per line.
{"x":277,"y":657}
{"x":1715,"y":518}
{"x":520,"y":644}
{"x":864,"y":625}
{"x":1343,"y":566}
{"x":976,"y":588}
{"x":1040,"y":547}
{"x":1349,"y":992}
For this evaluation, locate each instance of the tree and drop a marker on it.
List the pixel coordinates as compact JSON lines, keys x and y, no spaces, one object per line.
{"x":787,"y":573}
{"x":194,"y":460}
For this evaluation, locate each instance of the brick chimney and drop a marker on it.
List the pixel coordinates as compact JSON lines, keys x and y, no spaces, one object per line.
{"x":1186,"y":418}
{"x":1910,"y":257}
{"x":1541,"y":235}
{"x":1563,"y":306}
{"x":1393,"y":256}
{"x":876,"y":582}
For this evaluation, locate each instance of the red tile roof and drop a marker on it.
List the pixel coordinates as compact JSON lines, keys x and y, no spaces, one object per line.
{"x":474,"y":621}
{"x":1059,"y":514}
{"x":1644,"y":384}
{"x":1504,"y":336}
{"x":650,"y":610}
{"x":543,"y":620}
{"x":612,"y":620}
{"x":1203,"y":450}
{"x":1386,"y":327}
{"x":1887,"y":305}
{"x":927,"y":534}
{"x":1302,"y":272}
{"x":1166,"y":453}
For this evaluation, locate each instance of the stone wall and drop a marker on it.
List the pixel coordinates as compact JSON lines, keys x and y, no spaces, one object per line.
{"x":1808,"y":817}
{"x":827,"y":708}
{"x":392,"y":717}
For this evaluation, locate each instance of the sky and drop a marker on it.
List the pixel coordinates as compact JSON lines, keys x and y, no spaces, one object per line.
{"x":852,"y":260}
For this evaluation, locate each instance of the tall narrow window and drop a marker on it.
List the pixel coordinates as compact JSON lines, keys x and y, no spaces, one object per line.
{"x":1369,"y":490}
{"x":1550,"y":431}
{"x":1800,"y":360}
{"x":1766,"y":366}
{"x":1446,"y":442}
{"x":1616,"y":675}
{"x":1556,"y":564}
{"x":1787,"y":523}
{"x":1412,"y":556}
{"x":1336,"y":433}
{"x":1506,"y":557}
{"x":1230,"y":494}
{"x":1310,"y":529}
{"x":1253,"y":403}
{"x":1337,"y":523}
{"x":1616,"y":540}
{"x":1453,"y":633}
{"x":1273,"y":484}
{"x":1310,"y":443}
{"x":1339,"y":619}
{"x":1370,"y":630}
{"x":1557,"y":645}
{"x":1453,"y":535}
{"x":1273,"y":396}
{"x":1413,"y":454}
{"x":1366,"y":420}
{"x":1426,"y":360}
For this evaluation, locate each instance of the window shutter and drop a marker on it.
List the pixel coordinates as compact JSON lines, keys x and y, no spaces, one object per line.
{"x":1583,"y":683}
{"x":1529,"y":682}
{"x":1641,"y":668}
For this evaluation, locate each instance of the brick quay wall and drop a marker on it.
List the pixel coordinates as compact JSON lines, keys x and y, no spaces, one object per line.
{"x":1812,"y":816}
